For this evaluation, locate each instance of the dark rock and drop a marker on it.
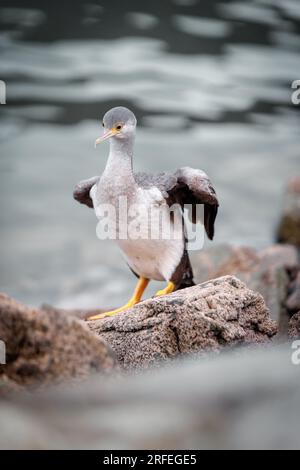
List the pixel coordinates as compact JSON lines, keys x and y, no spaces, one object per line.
{"x":289,"y":226}
{"x":222,"y":312}
{"x":45,"y":347}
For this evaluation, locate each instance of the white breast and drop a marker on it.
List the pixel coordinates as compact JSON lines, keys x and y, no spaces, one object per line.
{"x":152,"y":248}
{"x":157,"y":251}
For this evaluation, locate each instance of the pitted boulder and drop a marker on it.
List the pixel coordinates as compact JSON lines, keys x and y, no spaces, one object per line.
{"x":209,"y":316}
{"x":44,"y":347}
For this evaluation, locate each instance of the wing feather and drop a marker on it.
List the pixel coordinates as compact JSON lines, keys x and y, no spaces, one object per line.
{"x":186,"y":186}
{"x":194,"y":187}
{"x":82,"y":191}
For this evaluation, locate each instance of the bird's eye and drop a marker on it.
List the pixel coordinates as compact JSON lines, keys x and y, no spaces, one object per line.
{"x":118,"y":128}
{"x":103,"y":124}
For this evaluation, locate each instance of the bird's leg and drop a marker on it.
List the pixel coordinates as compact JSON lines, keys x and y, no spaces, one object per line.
{"x":167,"y":290}
{"x":137,"y":295}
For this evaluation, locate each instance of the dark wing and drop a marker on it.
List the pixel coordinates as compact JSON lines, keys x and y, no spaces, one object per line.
{"x":82,"y":191}
{"x":194,"y":187}
{"x":186,"y":186}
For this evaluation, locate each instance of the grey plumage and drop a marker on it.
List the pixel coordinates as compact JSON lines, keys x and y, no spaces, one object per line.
{"x":185,"y":186}
{"x":118,"y":115}
{"x":151,"y":258}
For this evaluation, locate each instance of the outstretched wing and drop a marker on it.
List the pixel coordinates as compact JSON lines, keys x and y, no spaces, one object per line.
{"x":194,"y":187}
{"x":82,"y":191}
{"x":186,"y":186}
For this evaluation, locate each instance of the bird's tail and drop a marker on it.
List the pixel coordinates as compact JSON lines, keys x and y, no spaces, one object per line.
{"x":187,"y":279}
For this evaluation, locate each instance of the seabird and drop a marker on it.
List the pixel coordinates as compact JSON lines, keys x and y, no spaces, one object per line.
{"x":149,"y":258}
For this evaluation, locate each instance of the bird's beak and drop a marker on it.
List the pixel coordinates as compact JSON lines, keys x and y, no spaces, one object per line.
{"x":106,"y":135}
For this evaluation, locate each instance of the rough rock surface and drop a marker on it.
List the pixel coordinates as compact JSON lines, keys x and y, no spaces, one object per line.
{"x":244,"y":399}
{"x":267,"y":271}
{"x":222,"y":312}
{"x":294,"y":326}
{"x":46,"y":347}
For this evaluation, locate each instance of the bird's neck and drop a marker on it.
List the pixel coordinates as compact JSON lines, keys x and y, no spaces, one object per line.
{"x":119,"y":161}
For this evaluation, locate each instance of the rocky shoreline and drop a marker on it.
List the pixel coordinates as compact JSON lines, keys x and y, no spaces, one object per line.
{"x":251,"y":298}
{"x":202,"y":363}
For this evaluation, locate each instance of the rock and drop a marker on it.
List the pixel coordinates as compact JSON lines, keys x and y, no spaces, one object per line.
{"x":222,"y":312}
{"x":294,"y":326}
{"x":224,"y":259}
{"x":266,"y":271}
{"x":293,"y":298}
{"x":244,"y":399}
{"x":45,"y":347}
{"x":289,"y":226}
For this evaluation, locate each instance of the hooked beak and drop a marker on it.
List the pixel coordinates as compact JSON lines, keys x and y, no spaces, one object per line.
{"x":105,"y":136}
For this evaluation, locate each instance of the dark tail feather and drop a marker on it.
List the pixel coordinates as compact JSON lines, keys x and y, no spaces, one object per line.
{"x":186,"y":283}
{"x":187,"y":277}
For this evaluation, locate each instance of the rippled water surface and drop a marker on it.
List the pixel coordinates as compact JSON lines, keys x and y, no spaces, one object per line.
{"x":210,"y":83}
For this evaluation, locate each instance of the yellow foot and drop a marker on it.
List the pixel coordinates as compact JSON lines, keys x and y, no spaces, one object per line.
{"x":111,"y":313}
{"x":167,"y":290}
{"x":135,"y":299}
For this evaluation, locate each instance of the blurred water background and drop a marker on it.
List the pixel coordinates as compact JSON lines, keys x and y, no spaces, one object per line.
{"x":210,"y":83}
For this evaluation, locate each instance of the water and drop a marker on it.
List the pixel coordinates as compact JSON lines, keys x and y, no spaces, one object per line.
{"x":210,"y":83}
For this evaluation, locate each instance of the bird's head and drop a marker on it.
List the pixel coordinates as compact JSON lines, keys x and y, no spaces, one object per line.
{"x":118,"y":123}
